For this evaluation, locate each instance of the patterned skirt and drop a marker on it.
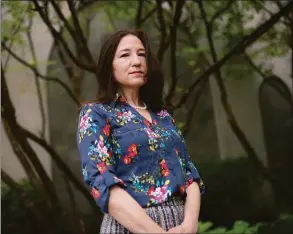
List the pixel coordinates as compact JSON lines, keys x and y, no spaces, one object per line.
{"x":168,"y":215}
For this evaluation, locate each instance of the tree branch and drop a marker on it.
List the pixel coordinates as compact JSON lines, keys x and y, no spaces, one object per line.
{"x":6,"y":111}
{"x":63,"y":167}
{"x":149,"y":14}
{"x":256,"y":3}
{"x":190,"y":115}
{"x":202,"y":84}
{"x":74,"y":73}
{"x":164,"y":41}
{"x":208,"y":28}
{"x":80,"y":32}
{"x":111,"y":20}
{"x":240,"y":47}
{"x":39,"y":94}
{"x":254,"y":66}
{"x":173,"y":47}
{"x":61,"y":16}
{"x":8,"y":180}
{"x":279,"y":4}
{"x":247,"y":57}
{"x":48,"y":78}
{"x":221,"y":11}
{"x":86,"y":4}
{"x":291,"y":45}
{"x":76,"y":32}
{"x":91,"y":67}
{"x":21,"y":146}
{"x":138,"y":20}
{"x":13,"y":35}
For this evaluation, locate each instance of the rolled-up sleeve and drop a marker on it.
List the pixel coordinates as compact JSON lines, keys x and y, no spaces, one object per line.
{"x":191,"y":172}
{"x":96,"y":154}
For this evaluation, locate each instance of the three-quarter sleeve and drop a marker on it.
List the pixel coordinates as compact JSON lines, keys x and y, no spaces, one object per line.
{"x":191,"y":172}
{"x":95,"y":150}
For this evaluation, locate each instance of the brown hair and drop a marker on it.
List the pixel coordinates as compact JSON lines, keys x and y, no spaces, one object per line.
{"x":151,"y":93}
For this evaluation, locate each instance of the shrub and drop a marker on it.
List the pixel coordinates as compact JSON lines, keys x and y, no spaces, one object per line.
{"x":234,"y":192}
{"x":26,"y":211}
{"x":284,"y":225}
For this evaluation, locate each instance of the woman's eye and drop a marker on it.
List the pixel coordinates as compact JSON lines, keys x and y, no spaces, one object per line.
{"x":124,"y":55}
{"x":141,"y":54}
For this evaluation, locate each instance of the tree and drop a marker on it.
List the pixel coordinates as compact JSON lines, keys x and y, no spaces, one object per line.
{"x":179,"y":26}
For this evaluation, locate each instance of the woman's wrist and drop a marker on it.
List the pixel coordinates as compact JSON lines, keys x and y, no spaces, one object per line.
{"x":190,"y":225}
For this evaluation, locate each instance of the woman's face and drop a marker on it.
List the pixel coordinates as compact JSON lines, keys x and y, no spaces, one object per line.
{"x":129,"y":63}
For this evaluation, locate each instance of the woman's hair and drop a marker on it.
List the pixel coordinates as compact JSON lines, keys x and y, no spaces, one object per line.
{"x":151,"y":93}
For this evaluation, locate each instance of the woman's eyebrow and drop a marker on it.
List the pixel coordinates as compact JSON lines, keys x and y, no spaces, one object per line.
{"x":124,"y":50}
{"x":127,"y":50}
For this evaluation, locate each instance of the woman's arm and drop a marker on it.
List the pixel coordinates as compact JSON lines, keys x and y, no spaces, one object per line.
{"x":129,"y":213}
{"x":192,"y":207}
{"x":191,"y":211}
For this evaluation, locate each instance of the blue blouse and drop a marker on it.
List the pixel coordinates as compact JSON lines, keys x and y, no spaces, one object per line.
{"x":117,"y":145}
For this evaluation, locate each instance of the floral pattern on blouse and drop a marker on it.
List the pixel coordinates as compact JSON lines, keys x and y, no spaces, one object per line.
{"x":118,"y":146}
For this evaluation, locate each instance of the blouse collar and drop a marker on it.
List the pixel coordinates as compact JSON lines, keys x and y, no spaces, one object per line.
{"x":119,"y":100}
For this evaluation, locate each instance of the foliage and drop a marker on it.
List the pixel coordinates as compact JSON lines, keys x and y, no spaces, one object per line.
{"x":24,"y":210}
{"x":233,"y":188}
{"x":14,"y":14}
{"x":15,"y":217}
{"x":240,"y":227}
{"x":284,"y":225}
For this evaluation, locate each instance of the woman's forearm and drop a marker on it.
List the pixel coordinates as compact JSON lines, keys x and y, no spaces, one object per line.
{"x":130,"y":214}
{"x":192,"y":205}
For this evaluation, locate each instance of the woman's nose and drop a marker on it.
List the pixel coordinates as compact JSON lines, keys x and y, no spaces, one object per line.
{"x":135,"y":60}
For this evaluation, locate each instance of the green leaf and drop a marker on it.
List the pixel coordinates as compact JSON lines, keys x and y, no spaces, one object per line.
{"x":191,"y":63}
{"x":181,"y":124}
{"x":204,"y":226}
{"x":239,"y":227}
{"x":218,"y":230}
{"x":196,"y":71}
{"x":179,"y":89}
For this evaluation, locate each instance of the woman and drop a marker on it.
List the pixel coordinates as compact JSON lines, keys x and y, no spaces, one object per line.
{"x":133,"y":156}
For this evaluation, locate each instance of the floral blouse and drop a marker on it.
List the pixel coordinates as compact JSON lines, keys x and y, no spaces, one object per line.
{"x":118,"y":146}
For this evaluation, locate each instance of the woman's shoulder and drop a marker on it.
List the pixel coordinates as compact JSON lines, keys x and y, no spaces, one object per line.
{"x":165,"y":114}
{"x":96,"y":107}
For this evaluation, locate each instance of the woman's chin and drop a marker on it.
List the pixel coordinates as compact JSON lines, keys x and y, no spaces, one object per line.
{"x":137,"y":83}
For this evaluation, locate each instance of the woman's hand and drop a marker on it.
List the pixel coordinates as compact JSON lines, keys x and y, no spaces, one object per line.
{"x":191,"y":211}
{"x":130,"y":214}
{"x":184,"y":228}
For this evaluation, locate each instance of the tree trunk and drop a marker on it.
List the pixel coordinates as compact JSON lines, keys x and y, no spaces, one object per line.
{"x":23,"y":149}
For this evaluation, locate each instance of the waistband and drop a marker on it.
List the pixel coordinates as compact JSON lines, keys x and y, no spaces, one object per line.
{"x":172,"y":201}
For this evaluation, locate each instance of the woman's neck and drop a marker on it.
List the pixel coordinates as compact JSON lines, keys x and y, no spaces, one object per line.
{"x":131,"y":96}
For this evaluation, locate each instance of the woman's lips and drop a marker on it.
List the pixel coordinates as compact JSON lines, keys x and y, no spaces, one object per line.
{"x":137,"y":73}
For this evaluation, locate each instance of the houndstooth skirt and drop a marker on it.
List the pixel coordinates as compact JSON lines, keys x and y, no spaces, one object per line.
{"x":168,"y":215}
